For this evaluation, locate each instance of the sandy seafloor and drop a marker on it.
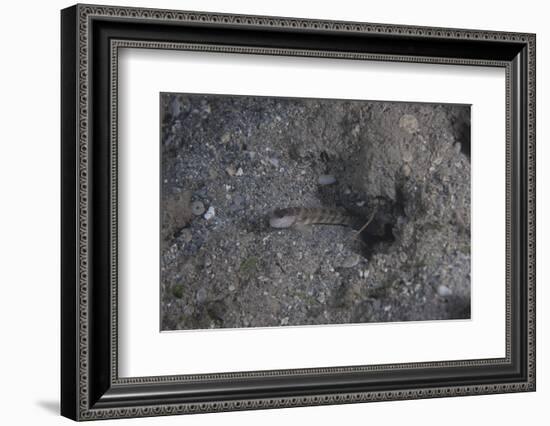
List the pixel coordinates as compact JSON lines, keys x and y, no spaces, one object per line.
{"x":228,"y":161}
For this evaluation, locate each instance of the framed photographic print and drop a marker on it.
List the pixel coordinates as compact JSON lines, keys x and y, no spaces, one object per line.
{"x":263,"y":212}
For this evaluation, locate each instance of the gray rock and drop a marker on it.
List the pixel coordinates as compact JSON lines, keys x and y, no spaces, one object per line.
{"x":326,"y":180}
{"x":210,"y":213}
{"x":226,"y":137}
{"x":197,"y":207}
{"x":201,"y":295}
{"x":186,"y":235}
{"x":457,"y":147}
{"x":231,"y":171}
{"x":351,"y":261}
{"x":406,"y":170}
{"x":202,"y":192}
{"x":444,"y":291}
{"x":409,"y":123}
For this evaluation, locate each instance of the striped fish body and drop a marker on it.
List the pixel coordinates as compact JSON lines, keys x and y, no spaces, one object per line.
{"x":301,"y":216}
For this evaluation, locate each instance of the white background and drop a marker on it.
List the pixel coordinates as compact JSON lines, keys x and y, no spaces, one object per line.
{"x":29,"y":229}
{"x":146,"y":352}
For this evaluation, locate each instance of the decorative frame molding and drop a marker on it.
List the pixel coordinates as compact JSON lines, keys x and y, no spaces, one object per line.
{"x":91,"y":388}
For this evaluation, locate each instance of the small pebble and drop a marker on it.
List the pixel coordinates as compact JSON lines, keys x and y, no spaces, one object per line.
{"x":326,"y":180}
{"x":226,"y":137}
{"x":409,"y":123}
{"x":201,"y":192}
{"x":407,"y":156}
{"x":238,"y":199}
{"x":274,"y":161}
{"x":351,"y":261}
{"x":210,"y":213}
{"x":201,"y":295}
{"x":230,"y":170}
{"x":444,"y":291}
{"x":239,"y":172}
{"x":457,"y":147}
{"x":406,"y":170}
{"x":197,"y":207}
{"x":186,"y":235}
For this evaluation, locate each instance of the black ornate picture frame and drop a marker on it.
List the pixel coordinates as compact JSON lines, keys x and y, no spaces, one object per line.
{"x":91,"y":38}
